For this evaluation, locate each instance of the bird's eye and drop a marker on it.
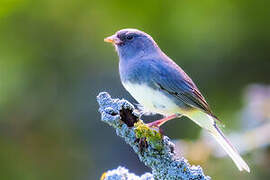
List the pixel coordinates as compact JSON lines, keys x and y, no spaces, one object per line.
{"x":129,"y":37}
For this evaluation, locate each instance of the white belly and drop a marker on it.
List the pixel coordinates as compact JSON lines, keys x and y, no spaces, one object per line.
{"x":152,"y":100}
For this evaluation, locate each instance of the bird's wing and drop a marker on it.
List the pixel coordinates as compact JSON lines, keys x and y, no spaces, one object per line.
{"x":177,"y":83}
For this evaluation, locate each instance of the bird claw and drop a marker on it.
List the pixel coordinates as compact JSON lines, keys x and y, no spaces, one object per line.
{"x":155,"y":127}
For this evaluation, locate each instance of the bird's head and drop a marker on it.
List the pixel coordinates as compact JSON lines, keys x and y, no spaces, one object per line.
{"x":131,"y":43}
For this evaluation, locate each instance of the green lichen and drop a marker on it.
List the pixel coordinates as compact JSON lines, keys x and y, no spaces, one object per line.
{"x":152,"y":135}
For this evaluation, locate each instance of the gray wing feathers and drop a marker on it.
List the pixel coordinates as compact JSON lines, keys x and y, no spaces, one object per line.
{"x":176,"y":82}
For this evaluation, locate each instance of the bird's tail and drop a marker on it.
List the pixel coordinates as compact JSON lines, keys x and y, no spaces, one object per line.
{"x":207,"y":122}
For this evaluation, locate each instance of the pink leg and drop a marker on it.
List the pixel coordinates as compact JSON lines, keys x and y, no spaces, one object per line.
{"x":158,"y":123}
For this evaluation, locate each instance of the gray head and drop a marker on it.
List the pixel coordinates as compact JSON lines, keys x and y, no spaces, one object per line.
{"x":132,"y":43}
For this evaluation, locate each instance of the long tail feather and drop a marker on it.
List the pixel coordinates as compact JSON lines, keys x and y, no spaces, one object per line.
{"x":229,"y":148}
{"x":208,"y":123}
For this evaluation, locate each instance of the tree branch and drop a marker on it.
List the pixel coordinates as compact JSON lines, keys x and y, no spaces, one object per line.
{"x":153,"y":149}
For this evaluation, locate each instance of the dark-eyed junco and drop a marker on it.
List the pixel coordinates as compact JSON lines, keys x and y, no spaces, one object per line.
{"x":161,"y":86}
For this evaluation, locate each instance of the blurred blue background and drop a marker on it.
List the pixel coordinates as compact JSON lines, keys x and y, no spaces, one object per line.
{"x":53,"y":63}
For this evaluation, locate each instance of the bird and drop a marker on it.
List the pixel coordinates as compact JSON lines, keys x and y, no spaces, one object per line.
{"x":161,"y":86}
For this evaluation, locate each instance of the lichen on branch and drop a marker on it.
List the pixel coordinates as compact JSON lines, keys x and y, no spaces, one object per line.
{"x":153,"y":149}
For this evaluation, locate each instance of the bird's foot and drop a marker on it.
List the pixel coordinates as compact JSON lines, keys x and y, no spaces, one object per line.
{"x":158,"y":123}
{"x":155,"y":124}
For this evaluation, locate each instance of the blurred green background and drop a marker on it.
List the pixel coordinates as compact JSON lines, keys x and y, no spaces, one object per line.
{"x":53,"y":63}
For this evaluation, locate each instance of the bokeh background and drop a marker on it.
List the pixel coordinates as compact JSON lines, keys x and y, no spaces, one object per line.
{"x":53,"y":63}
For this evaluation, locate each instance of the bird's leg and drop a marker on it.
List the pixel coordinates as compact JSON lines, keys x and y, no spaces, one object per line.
{"x":158,"y":123}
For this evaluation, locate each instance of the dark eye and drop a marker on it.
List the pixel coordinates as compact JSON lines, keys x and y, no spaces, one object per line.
{"x":129,"y":37}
